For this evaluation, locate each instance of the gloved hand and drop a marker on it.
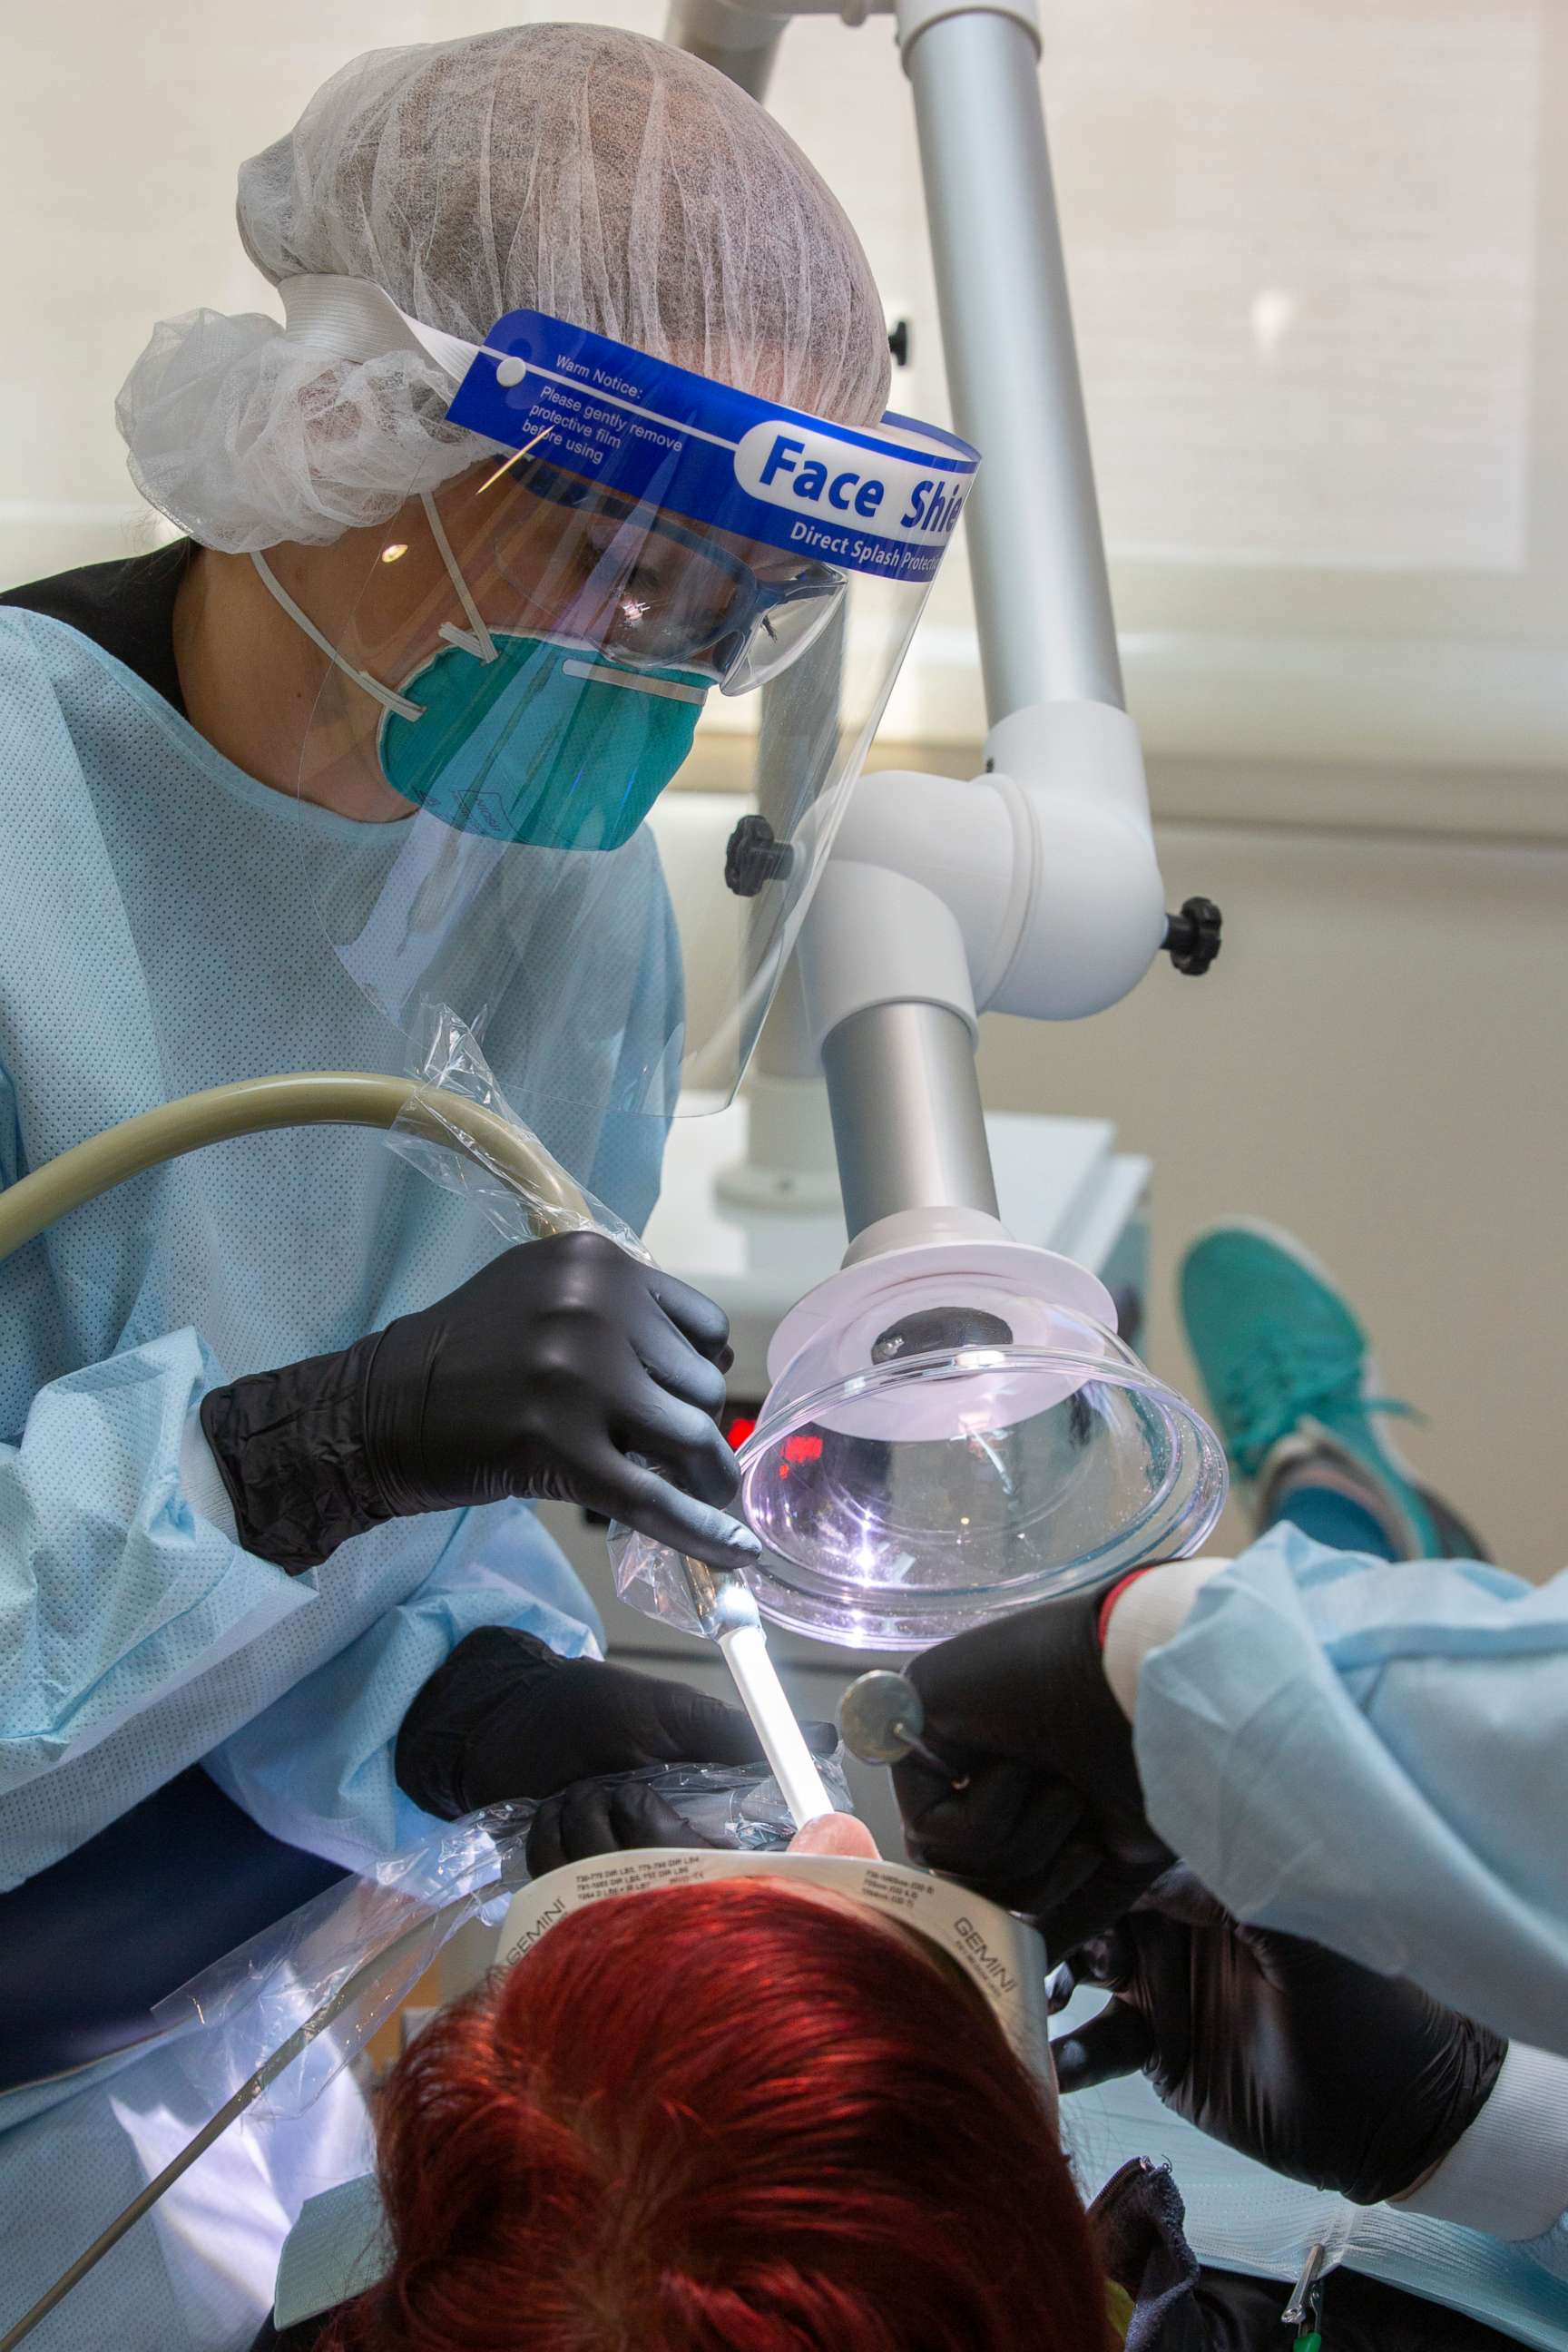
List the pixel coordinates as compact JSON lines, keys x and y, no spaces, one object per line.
{"x":505,"y":1716}
{"x":541,"y":1377}
{"x":605,"y":1816}
{"x":1051,"y":1823}
{"x":1312,"y":2064}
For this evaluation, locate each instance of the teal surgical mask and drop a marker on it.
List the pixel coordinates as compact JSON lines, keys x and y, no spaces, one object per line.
{"x":539,"y":742}
{"x":524,"y":738}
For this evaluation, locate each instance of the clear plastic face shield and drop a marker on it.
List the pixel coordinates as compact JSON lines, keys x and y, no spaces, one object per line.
{"x":608,"y":598}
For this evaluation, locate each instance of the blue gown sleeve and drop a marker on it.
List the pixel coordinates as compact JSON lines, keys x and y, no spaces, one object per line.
{"x":316,"y":1767}
{"x":112,"y":1590}
{"x":1376,"y":1756}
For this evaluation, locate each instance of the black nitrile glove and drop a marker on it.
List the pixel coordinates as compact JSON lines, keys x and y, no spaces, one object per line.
{"x":1052,"y":1821}
{"x":1309,"y":2064}
{"x":542,"y":1379}
{"x":505,"y":1716}
{"x":605,"y":1816}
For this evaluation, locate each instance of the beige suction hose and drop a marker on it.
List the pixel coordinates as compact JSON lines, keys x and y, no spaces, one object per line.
{"x":305,"y":1098}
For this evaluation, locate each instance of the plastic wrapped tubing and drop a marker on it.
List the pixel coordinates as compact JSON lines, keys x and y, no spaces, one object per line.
{"x":352,"y":1955}
{"x":446,"y":1053}
{"x":237,"y":2013}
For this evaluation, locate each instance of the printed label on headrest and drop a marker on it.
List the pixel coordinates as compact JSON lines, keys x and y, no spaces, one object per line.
{"x":885,"y":503}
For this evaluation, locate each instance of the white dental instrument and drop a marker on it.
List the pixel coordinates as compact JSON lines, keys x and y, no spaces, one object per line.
{"x":728,"y":1615}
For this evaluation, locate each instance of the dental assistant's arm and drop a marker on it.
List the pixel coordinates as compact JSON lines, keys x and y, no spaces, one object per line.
{"x":482,"y":1685}
{"x":563,"y":1368}
{"x":113,"y":1589}
{"x":1328,"y":2073}
{"x":1372,"y":1754}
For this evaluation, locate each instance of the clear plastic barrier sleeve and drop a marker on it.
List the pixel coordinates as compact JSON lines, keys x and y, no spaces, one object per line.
{"x":235,"y":2014}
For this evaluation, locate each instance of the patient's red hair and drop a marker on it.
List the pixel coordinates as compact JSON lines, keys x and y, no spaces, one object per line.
{"x":718,"y":2118}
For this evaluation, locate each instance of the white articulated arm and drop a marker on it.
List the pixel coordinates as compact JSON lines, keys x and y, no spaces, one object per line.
{"x":1091,"y":916}
{"x":1032,"y":889}
{"x":1035,"y":889}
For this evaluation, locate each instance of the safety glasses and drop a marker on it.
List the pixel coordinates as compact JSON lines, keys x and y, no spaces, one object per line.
{"x":646,"y":589}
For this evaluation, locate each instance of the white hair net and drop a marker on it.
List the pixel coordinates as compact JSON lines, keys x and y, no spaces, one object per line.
{"x":602,"y":178}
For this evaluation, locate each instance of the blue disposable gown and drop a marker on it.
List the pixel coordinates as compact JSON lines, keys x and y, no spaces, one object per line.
{"x":1375,"y":1755}
{"x":160,"y":932}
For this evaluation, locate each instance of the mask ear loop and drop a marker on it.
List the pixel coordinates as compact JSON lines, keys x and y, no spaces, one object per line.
{"x":385,"y":695}
{"x":480,"y":642}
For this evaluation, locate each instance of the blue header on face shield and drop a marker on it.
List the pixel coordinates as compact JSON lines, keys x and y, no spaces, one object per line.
{"x":884,"y":503}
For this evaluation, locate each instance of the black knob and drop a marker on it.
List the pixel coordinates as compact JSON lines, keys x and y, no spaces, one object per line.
{"x":753,"y":857}
{"x":898,"y":343}
{"x":1191,"y":938}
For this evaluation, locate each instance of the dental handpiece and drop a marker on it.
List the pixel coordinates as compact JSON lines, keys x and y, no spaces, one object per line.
{"x":882,"y":1720}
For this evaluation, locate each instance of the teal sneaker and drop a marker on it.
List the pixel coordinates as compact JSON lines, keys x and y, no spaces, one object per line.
{"x":1289,"y":1379}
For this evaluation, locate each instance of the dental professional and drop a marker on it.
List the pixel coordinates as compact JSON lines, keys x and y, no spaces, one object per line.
{"x":368,"y":747}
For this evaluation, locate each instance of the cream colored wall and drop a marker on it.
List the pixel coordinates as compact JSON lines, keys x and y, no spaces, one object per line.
{"x":1377,"y":1062}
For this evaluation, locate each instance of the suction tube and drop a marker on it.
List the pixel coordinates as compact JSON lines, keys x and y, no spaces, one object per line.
{"x":726,"y":1610}
{"x":305,"y":1098}
{"x":356,"y":1098}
